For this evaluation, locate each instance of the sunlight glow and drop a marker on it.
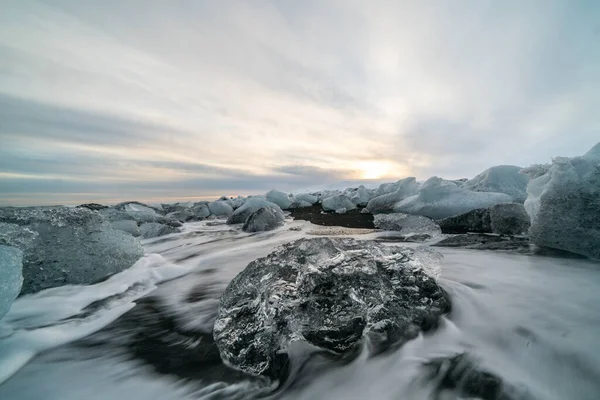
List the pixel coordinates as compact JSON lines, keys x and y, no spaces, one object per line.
{"x":374,"y":169}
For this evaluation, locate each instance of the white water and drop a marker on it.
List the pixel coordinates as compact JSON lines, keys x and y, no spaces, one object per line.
{"x":531,"y":320}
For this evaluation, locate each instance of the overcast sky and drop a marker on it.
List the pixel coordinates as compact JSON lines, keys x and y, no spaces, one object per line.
{"x":106,"y":100}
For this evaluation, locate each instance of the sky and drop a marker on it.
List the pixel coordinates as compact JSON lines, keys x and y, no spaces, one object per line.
{"x":110,"y":100}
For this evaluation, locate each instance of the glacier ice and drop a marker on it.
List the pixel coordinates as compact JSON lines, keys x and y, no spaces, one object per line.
{"x":11,"y":276}
{"x":127,"y":225}
{"x":154,"y":229}
{"x":506,"y":179}
{"x":564,"y":204}
{"x":264,"y":219}
{"x":72,"y":246}
{"x":300,"y":204}
{"x":251,"y":205}
{"x":220,"y":208}
{"x":438,"y":198}
{"x":362,"y":196}
{"x":307,"y":197}
{"x":386,"y":202}
{"x":337,"y":202}
{"x":408,"y":225}
{"x":283,"y":200}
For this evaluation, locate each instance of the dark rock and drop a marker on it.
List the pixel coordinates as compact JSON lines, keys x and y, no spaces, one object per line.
{"x":265,"y":219}
{"x":509,"y":219}
{"x":351,"y":219}
{"x":487,"y":242}
{"x":477,"y":221}
{"x":503,"y":219}
{"x":461,"y":374}
{"x":330,"y":293}
{"x":93,"y":206}
{"x":69,"y":246}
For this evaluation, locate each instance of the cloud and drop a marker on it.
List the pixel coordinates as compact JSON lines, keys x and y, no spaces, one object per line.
{"x":194,"y":97}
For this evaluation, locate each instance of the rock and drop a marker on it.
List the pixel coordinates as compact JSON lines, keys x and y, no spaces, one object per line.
{"x":503,"y":219}
{"x":563,"y":204}
{"x":251,"y":205}
{"x":509,"y":219}
{"x":461,"y":374}
{"x":283,"y":200}
{"x":385,"y":203}
{"x":362,"y":196}
{"x":506,"y":179}
{"x":408,"y":226}
{"x":315,"y":214}
{"x":487,"y":242}
{"x":336,"y":202}
{"x":341,"y":210}
{"x":439,"y":198}
{"x":72,"y":246}
{"x":330,"y":293}
{"x":128,"y":226}
{"x":151,"y":230}
{"x":264,"y":219}
{"x":220,"y":208}
{"x":478,"y":221}
{"x":11,"y":276}
{"x":307,"y":197}
{"x":93,"y":206}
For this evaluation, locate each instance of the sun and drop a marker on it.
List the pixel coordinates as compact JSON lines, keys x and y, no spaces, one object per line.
{"x":373,"y":169}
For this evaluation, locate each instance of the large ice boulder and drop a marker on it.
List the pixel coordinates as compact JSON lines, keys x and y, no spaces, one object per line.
{"x":264,"y":219}
{"x":138,"y":212}
{"x":410,"y":227}
{"x":11,"y":276}
{"x":195,"y":212}
{"x":330,"y":293}
{"x":338,"y":202}
{"x":307,"y":197}
{"x":70,"y":246}
{"x":439,"y":198}
{"x":151,"y":230}
{"x":386,"y":202}
{"x":251,"y":205}
{"x":506,"y":179}
{"x":563,"y":204}
{"x":362,"y":196}
{"x":127,"y":225}
{"x":283,"y":200}
{"x":220,"y":208}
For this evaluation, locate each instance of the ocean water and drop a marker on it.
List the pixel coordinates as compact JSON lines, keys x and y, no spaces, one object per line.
{"x":145,"y":333}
